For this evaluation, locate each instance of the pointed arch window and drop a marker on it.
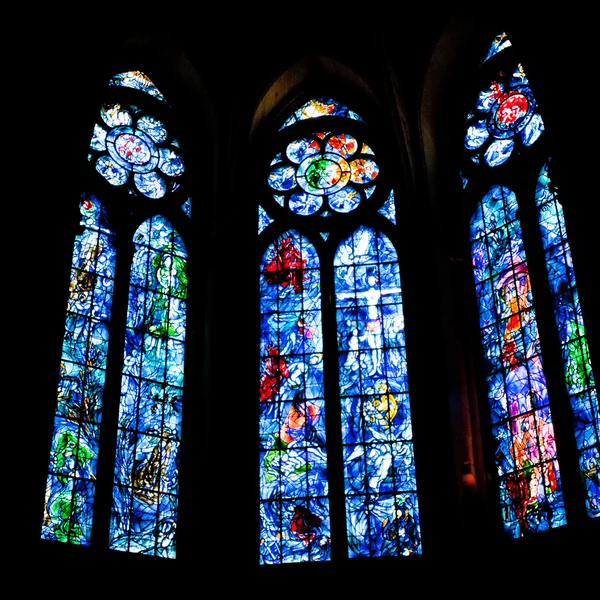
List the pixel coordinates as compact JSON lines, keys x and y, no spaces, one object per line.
{"x":333,"y":391}
{"x":521,"y":263}
{"x":131,"y":371}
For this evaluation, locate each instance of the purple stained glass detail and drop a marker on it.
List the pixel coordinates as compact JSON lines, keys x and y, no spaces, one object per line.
{"x":579,"y":376}
{"x":526,"y":454}
{"x":71,"y":483}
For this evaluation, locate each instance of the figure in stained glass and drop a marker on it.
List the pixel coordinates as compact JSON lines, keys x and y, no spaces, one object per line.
{"x":326,"y":174}
{"x":579,"y":376}
{"x":71,"y":482}
{"x":274,"y":370}
{"x":287,"y":266}
{"x":526,"y":455}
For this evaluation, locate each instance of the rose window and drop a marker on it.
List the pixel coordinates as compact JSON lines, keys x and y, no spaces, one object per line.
{"x":505,"y":115}
{"x":133,"y":149}
{"x":323,"y":171}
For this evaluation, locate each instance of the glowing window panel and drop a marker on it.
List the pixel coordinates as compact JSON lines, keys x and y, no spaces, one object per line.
{"x":264,"y":220}
{"x":500,"y":42}
{"x":323,"y":171}
{"x":321,"y":107}
{"x":133,"y":149}
{"x":145,"y":493}
{"x":294,"y":504}
{"x":382,"y":509}
{"x":388,"y":210}
{"x":137,"y":81}
{"x":526,"y":456}
{"x":71,"y":483}
{"x":581,"y":385}
{"x":187,"y":207}
{"x":505,"y":119}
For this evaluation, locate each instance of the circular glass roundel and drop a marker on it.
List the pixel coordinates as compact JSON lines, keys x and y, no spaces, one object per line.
{"x":132,"y":149}
{"x":512,"y":112}
{"x":153,"y":127}
{"x":115,"y":114}
{"x":298,"y":150}
{"x":171,"y":163}
{"x":150,"y":184}
{"x":323,"y":174}
{"x":345,"y":200}
{"x":113,"y":173}
{"x":305,"y":204}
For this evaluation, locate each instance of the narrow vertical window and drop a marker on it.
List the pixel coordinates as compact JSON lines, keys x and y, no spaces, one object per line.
{"x":71,"y":483}
{"x":379,"y":467}
{"x":530,"y":481}
{"x":579,"y":377}
{"x":137,"y":167}
{"x":293,"y":459}
{"x":505,"y":126}
{"x":145,"y":495}
{"x":332,"y":345}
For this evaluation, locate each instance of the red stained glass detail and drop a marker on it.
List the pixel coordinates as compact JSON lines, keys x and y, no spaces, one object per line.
{"x":287,"y":267}
{"x":495,"y":89}
{"x":276,"y":370}
{"x":342,"y":144}
{"x":515,"y":286}
{"x":301,"y":415}
{"x":511,"y":108}
{"x":303,"y":524}
{"x":132,"y":149}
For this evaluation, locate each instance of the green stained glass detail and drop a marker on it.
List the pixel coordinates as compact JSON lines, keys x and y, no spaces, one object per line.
{"x":146,"y":490}
{"x":579,"y":376}
{"x":71,"y":483}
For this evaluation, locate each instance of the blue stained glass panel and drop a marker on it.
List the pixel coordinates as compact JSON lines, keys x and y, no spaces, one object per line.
{"x":133,"y":148}
{"x":388,"y":209}
{"x":500,"y":42}
{"x":145,"y":495}
{"x":526,"y":457}
{"x":138,"y":81}
{"x":317,"y":170}
{"x":321,"y":107}
{"x":382,"y":516}
{"x":71,"y":483}
{"x":294,"y":505}
{"x":581,"y":385}
{"x":187,"y":207}
{"x":506,"y":118}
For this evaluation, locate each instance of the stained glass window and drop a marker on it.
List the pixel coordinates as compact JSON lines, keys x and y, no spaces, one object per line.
{"x":326,"y":174}
{"x":504,"y":120}
{"x":71,"y":484}
{"x":379,"y":467}
{"x":579,"y":377}
{"x":144,"y":513}
{"x":505,"y":123}
{"x":526,"y":459}
{"x":133,"y":157}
